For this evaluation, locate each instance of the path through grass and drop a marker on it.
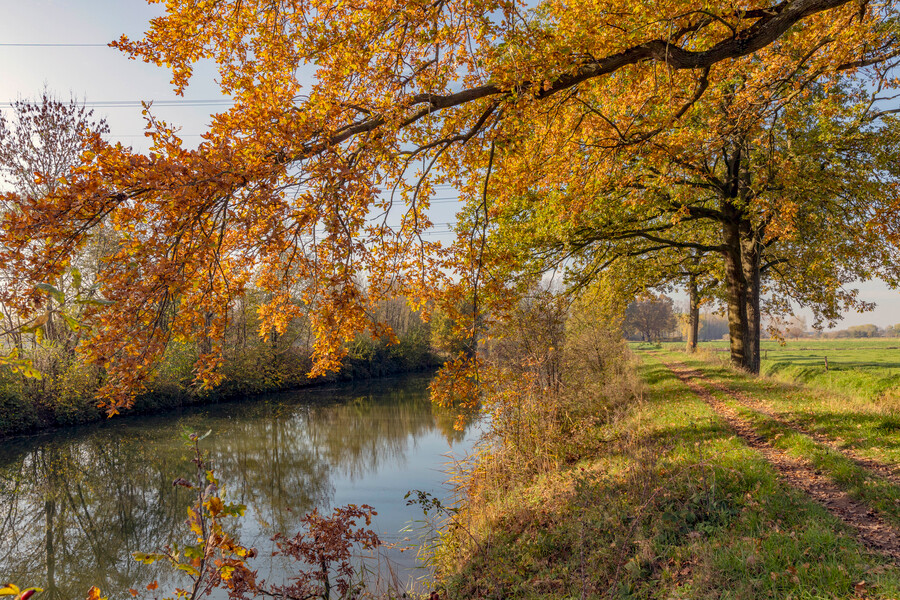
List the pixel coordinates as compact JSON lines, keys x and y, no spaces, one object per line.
{"x":670,"y":504}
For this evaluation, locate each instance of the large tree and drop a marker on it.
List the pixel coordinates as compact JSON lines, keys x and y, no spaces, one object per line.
{"x":788,"y":176}
{"x":404,"y":96}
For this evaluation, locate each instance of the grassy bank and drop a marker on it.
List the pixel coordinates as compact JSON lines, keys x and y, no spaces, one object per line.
{"x":67,"y":397}
{"x":666,"y":503}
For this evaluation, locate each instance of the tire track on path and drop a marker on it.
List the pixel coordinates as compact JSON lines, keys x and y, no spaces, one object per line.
{"x":871,"y":530}
{"x":888,"y":472}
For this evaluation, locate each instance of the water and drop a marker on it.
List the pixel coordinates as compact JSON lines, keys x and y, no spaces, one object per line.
{"x":74,"y":505}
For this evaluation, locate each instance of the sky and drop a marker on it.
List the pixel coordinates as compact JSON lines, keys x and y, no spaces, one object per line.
{"x":61,"y":44}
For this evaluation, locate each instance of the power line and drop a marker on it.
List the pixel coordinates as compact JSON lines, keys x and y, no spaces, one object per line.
{"x":138,"y":135}
{"x":53,"y":45}
{"x":139,"y":103}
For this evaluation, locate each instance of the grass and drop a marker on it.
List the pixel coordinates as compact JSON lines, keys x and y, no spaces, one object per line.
{"x":870,"y":426}
{"x":669,"y":504}
{"x":865,"y":367}
{"x":805,"y":408}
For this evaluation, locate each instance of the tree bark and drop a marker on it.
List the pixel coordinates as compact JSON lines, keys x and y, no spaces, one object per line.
{"x":742,"y":250}
{"x":750,"y":262}
{"x":735,"y":294}
{"x":693,"y":313}
{"x":742,"y":285}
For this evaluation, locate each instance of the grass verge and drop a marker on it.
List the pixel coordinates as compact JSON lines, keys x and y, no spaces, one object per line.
{"x":867,"y":369}
{"x":669,"y":504}
{"x":869,"y":427}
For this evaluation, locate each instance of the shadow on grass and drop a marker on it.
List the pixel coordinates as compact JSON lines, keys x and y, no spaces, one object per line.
{"x":857,"y":430}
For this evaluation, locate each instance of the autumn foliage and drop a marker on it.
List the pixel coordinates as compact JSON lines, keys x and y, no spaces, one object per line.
{"x":315,"y":187}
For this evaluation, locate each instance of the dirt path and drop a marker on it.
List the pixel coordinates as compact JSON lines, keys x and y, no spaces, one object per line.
{"x":889,"y":472}
{"x":872,"y":531}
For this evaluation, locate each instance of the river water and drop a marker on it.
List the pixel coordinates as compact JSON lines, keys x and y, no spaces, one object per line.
{"x":75,"y":504}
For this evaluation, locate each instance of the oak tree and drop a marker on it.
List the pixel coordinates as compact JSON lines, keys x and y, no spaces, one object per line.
{"x":788,"y":176}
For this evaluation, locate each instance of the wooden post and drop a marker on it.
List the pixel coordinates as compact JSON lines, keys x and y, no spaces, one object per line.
{"x":826,"y":363}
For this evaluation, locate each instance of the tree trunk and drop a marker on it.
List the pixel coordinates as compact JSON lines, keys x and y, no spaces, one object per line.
{"x":206,"y":341}
{"x":735,"y":295}
{"x":750,"y":262}
{"x":693,"y":313}
{"x":742,"y":284}
{"x":742,"y":250}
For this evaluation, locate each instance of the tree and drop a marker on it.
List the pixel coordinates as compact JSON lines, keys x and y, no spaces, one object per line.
{"x":41,"y":142}
{"x":652,"y":317}
{"x":863,"y":331}
{"x":713,"y":327}
{"x":406,"y":96}
{"x":794,"y":327}
{"x":788,"y":176}
{"x":701,"y":283}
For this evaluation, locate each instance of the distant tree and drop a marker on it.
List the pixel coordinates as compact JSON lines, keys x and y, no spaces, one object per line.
{"x":892,"y":331}
{"x":713,"y":327}
{"x":42,"y":141}
{"x":863,"y":331}
{"x":793,"y":327}
{"x":651,"y":317}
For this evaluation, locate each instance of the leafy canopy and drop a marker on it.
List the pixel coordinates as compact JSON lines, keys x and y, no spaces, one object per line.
{"x":347,"y":115}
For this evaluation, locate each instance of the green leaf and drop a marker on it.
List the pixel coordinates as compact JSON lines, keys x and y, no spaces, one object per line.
{"x":53,"y":291}
{"x":148,"y":558}
{"x":96,"y":301}
{"x":193,"y":552}
{"x":73,"y":324}
{"x":76,"y":278}
{"x":188,"y":569}
{"x":235,"y":510}
{"x":27,"y":371}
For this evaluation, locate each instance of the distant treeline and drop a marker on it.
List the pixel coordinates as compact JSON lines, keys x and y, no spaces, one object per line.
{"x":653,"y":318}
{"x":860,"y":331}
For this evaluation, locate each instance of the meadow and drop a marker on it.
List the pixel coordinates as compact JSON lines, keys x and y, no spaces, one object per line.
{"x":864,"y":367}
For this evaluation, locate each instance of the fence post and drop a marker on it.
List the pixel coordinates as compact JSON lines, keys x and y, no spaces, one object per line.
{"x":826,"y":363}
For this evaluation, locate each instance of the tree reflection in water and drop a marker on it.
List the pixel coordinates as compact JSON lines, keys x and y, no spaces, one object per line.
{"x":74,"y":505}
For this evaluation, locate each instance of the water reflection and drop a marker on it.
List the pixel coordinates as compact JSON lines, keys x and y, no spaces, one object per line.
{"x":74,"y":505}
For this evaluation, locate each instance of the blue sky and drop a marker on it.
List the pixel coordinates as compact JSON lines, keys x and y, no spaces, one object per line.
{"x":95,"y":74}
{"x":99,"y":75}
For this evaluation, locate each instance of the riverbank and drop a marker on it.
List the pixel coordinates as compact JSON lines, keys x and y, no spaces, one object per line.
{"x":33,"y":406}
{"x":686,"y":492}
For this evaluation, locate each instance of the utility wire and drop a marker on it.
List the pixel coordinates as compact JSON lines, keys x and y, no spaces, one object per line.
{"x":138,"y":103}
{"x":52,"y":45}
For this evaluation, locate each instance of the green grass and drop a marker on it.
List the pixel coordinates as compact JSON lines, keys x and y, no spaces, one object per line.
{"x":867,"y":367}
{"x":805,"y":408}
{"x":672,"y":505}
{"x":869,"y":426}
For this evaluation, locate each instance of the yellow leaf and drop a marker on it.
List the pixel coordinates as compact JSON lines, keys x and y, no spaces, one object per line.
{"x":214,"y":505}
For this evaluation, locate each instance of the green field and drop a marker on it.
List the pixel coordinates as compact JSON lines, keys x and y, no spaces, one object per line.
{"x":868,"y":368}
